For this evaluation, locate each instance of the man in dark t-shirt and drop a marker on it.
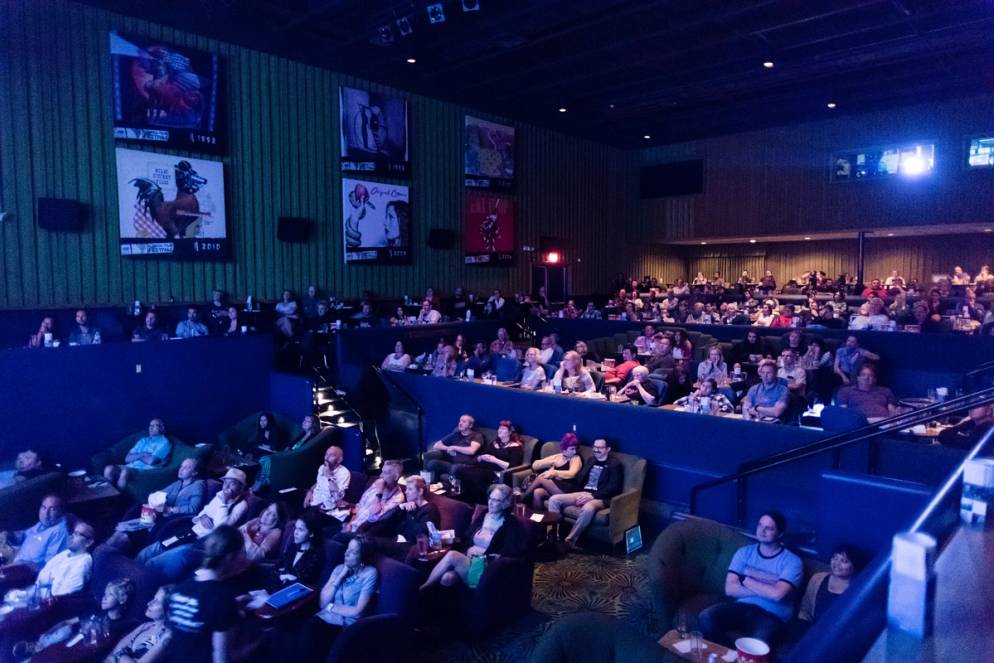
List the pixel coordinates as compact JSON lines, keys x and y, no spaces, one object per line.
{"x":459,"y":446}
{"x":202,"y":609}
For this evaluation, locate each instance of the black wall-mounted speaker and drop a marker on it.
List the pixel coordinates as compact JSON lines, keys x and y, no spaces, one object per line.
{"x":60,"y":215}
{"x":440,"y":238}
{"x":293,"y":229}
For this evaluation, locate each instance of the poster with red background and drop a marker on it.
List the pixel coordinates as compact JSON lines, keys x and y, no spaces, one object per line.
{"x":488,"y":229}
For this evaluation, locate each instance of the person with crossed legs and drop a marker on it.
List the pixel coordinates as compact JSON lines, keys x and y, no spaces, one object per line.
{"x":601,"y":478}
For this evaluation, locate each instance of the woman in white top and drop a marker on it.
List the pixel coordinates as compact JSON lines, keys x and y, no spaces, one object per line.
{"x":572,"y":376}
{"x":533,"y":376}
{"x":713,"y":367}
{"x":765,"y":317}
{"x":287,"y":310}
{"x":397,"y":360}
{"x":700,"y":279}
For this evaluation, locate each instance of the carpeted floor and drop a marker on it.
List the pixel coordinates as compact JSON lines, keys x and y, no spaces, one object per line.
{"x":600,"y":583}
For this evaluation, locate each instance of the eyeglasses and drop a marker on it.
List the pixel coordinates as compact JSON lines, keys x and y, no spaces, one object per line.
{"x":85,"y":535}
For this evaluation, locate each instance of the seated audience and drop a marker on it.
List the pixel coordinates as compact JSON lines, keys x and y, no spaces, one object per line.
{"x":148,"y":641}
{"x":459,"y":345}
{"x":752,"y":349}
{"x":825,"y":587}
{"x":816,"y":356}
{"x":968,"y":433}
{"x":148,"y":452}
{"x":586,"y":354}
{"x":310,"y":427}
{"x":202,"y":610}
{"x":310,"y":301}
{"x":570,"y":311}
{"x":714,"y":366}
{"x":494,"y":532}
{"x":69,"y":571}
{"x":875,"y":289}
{"x":303,"y":558}
{"x":786,"y":318}
{"x":262,"y":535}
{"x":46,"y":328}
{"x":661,"y":359}
{"x":232,"y":328}
{"x":27,"y":465}
{"x":218,"y":310}
{"x":45,"y":539}
{"x":619,"y":374}
{"x":791,"y":373}
{"x":456,"y":448}
{"x":839,"y":305}
{"x":548,"y":354}
{"x":850,"y":357}
{"x":84,"y":333}
{"x":678,"y":382}
{"x":346,"y":597}
{"x":227,"y":507}
{"x":286,"y":311}
{"x":504,"y":345}
{"x":765,"y":317}
{"x":379,"y":500}
{"x":640,"y":390}
{"x":427,"y":315}
{"x":191,"y":327}
{"x":481,"y":361}
{"x":267,"y":435}
{"x":556,"y":473}
{"x":706,"y":399}
{"x":644,"y":342}
{"x":572,"y":376}
{"x":794,"y":340}
{"x":867,"y":397}
{"x":149,"y":330}
{"x":445,"y":364}
{"x":960,"y":277}
{"x":874,"y":317}
{"x":396,"y":534}
{"x":766,"y":401}
{"x":111,"y":620}
{"x":895,"y":279}
{"x":329,"y":487}
{"x":533,"y":375}
{"x":504,"y":451}
{"x":591,"y":313}
{"x":682,"y":347}
{"x":761,"y":581}
{"x":600,"y":479}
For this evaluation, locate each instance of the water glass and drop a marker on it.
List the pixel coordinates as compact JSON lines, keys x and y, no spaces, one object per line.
{"x":681,"y":625}
{"x":931,"y":395}
{"x":697,"y":646}
{"x":422,"y":545}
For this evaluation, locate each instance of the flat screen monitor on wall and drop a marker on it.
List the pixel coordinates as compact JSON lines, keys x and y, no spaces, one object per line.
{"x":980,"y":152}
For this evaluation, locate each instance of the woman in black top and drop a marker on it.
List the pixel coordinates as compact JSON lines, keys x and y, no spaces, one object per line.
{"x":267,"y":436}
{"x":310,"y":426}
{"x":752,"y":345}
{"x":304,"y":557}
{"x":504,"y":451}
{"x":678,"y":383}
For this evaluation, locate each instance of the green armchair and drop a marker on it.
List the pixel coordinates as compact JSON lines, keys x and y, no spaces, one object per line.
{"x":595,"y":638}
{"x":528,"y":454}
{"x":241,"y":436}
{"x":147,"y":481}
{"x":688,"y":564}
{"x":297,"y":468}
{"x":622,"y":513}
{"x":19,"y":502}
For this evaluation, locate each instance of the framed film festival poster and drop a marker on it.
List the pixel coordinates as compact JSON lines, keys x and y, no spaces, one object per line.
{"x":488,"y":229}
{"x":489,"y":155}
{"x":374,"y":133}
{"x":376,"y":222}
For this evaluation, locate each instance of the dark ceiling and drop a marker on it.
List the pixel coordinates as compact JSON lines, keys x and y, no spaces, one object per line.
{"x":673,"y":70}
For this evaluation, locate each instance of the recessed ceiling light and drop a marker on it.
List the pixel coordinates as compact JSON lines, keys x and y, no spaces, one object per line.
{"x":988,"y":230}
{"x":890,"y":234}
{"x":411,"y":60}
{"x":611,"y":106}
{"x":562,"y":109}
{"x":807,"y":238}
{"x":830,"y":104}
{"x":704,"y":243}
{"x":647,"y":136}
{"x":752,"y":241}
{"x":768,"y":64}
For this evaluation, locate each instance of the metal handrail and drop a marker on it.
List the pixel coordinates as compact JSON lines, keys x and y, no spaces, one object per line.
{"x":421,"y":412}
{"x":842,"y":440}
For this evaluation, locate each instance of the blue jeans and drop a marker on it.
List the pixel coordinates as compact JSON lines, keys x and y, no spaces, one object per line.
{"x":177,"y":563}
{"x":724,"y":622}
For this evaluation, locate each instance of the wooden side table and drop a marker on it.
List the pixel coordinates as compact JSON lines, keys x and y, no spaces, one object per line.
{"x":672,"y":637}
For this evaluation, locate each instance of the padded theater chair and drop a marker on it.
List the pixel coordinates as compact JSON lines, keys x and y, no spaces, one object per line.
{"x":19,"y":502}
{"x":289,"y":469}
{"x":622,"y":513}
{"x":241,"y":436}
{"x":144,"y":482}
{"x":688,"y":564}
{"x":588,"y":637}
{"x":388,"y":629}
{"x":529,"y":445}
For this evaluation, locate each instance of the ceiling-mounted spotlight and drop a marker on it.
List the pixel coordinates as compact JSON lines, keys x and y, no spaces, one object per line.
{"x":404,"y":26}
{"x":436,"y":14}
{"x":471,"y":5}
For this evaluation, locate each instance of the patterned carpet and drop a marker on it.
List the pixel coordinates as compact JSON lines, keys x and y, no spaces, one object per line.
{"x":599,"y":583}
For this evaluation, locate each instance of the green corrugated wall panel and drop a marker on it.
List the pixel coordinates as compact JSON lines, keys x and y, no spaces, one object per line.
{"x":283,"y":136}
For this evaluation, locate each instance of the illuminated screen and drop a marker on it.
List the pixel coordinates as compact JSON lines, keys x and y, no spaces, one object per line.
{"x":910,"y":160}
{"x":980,"y":153}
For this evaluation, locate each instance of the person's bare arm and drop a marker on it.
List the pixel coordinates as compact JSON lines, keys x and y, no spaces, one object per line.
{"x":219,"y":645}
{"x":775,"y":592}
{"x":734,"y":587}
{"x":470,"y":450}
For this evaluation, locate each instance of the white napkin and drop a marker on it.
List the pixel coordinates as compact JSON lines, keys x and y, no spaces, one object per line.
{"x":157,"y":500}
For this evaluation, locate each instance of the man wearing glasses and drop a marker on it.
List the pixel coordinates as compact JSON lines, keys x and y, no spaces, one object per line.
{"x":69,"y":571}
{"x":601,"y":479}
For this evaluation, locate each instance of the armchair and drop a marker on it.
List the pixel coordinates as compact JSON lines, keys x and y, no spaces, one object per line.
{"x":296,"y":468}
{"x":147,"y":481}
{"x":19,"y":502}
{"x":623,"y":513}
{"x":241,"y":436}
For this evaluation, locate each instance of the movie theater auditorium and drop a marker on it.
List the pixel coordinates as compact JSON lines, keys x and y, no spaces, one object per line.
{"x":465,"y":330}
